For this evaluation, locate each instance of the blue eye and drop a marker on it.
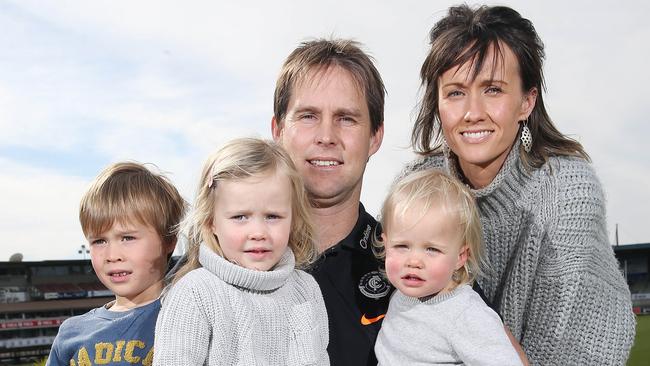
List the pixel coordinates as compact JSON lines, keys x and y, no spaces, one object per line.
{"x":97,"y":242}
{"x":348,"y":120}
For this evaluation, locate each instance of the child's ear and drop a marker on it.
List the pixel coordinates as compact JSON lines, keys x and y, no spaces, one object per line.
{"x":462,"y":256}
{"x":171,"y":246}
{"x":211,"y":229}
{"x":383,"y":238}
{"x":211,"y":226}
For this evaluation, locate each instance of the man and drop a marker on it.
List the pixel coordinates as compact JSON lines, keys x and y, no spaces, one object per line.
{"x":328,"y":114}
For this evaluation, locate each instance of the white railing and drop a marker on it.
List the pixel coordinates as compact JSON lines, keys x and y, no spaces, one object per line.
{"x":26,"y":342}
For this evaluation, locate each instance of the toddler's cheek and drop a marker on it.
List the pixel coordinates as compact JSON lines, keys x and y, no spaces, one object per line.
{"x":392,"y":269}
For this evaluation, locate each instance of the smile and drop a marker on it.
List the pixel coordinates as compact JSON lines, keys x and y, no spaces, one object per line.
{"x":474,"y":137}
{"x":324,"y":162}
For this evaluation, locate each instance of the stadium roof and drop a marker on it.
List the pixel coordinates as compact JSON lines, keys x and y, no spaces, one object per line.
{"x":631,"y":247}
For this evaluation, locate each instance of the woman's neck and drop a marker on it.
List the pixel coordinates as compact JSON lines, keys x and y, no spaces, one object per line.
{"x":481,"y":175}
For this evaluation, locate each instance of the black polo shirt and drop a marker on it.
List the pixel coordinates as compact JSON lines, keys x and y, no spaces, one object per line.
{"x":355,"y":292}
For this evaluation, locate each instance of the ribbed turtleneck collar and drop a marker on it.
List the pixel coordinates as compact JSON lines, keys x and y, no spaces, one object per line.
{"x":509,"y":165}
{"x":244,"y":277}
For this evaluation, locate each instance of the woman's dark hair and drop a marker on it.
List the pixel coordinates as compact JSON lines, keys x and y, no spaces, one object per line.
{"x":467,"y":35}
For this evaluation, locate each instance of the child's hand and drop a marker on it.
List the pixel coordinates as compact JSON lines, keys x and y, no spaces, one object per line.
{"x":515,"y":343}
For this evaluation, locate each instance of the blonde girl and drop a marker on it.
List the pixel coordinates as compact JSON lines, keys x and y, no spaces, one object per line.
{"x":239,"y":299}
{"x":432,"y":247}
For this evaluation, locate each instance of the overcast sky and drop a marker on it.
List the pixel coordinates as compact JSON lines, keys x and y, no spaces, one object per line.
{"x":87,"y":83}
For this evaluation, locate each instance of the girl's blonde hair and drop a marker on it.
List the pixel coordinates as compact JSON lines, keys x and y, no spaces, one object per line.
{"x":429,"y":188}
{"x":240,"y":159}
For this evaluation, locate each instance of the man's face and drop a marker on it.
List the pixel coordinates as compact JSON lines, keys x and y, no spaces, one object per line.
{"x":327,"y":132}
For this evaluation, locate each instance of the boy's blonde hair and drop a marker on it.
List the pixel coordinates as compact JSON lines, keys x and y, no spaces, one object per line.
{"x":426,"y":189}
{"x":240,"y":159}
{"x":128,"y":191}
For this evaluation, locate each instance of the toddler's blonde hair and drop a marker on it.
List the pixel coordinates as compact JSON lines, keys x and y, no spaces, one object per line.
{"x":429,"y":188}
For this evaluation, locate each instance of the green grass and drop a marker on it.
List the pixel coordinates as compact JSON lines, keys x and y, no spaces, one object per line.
{"x":641,"y":350}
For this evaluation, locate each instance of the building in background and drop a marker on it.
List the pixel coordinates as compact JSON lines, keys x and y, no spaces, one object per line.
{"x":35,"y":298}
{"x":634,"y":260}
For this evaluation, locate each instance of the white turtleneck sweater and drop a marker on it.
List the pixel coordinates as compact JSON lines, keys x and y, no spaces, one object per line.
{"x":224,"y":314}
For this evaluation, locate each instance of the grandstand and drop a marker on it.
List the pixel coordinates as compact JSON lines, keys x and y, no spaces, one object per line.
{"x":35,"y":298}
{"x":634,"y":260}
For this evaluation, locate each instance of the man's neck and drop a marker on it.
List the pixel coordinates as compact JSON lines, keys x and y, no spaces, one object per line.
{"x":334,"y":223}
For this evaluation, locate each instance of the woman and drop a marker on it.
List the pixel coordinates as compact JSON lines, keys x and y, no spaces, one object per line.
{"x":552,"y":276}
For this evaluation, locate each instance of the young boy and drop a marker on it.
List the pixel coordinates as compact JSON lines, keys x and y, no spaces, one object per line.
{"x":129,"y":216}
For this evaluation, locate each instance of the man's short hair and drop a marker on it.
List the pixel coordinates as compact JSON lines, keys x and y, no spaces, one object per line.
{"x":321,"y":54}
{"x":129,"y":191}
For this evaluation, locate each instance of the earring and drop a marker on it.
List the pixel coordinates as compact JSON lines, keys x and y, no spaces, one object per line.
{"x":456,"y":277}
{"x":526,"y":137}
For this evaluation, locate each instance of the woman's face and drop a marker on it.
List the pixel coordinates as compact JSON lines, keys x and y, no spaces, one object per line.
{"x":480,"y":117}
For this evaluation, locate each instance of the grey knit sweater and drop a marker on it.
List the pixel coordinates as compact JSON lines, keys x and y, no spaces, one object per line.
{"x":224,"y":314}
{"x":553,"y":275}
{"x":455,"y":328}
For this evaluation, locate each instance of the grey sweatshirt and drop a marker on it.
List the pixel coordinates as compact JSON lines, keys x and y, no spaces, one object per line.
{"x":455,"y":328}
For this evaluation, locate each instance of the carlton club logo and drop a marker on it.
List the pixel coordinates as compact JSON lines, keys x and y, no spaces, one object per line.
{"x":373,"y":285}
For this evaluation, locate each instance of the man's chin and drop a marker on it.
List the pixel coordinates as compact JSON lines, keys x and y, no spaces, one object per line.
{"x":329,"y":198}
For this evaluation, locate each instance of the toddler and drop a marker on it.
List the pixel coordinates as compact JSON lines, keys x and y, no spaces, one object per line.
{"x":239,"y":299}
{"x":432,"y":247}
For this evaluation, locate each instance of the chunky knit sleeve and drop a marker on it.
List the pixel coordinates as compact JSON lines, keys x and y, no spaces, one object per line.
{"x":580,"y":310}
{"x":309,"y":323}
{"x":421,"y":163}
{"x":183,"y":330}
{"x":322,"y":323}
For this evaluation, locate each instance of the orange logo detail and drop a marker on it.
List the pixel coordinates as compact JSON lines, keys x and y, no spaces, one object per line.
{"x":368,"y":321}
